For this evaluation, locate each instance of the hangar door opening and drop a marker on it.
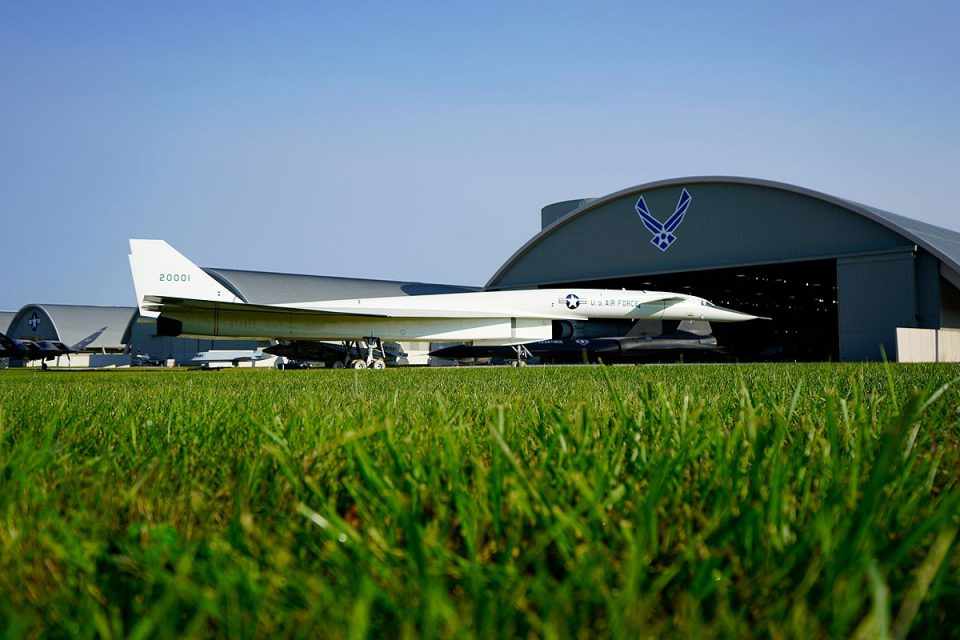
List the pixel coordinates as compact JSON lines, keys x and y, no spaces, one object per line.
{"x":800,"y":297}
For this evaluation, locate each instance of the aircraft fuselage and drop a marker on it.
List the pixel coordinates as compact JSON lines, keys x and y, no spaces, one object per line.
{"x":486,"y":317}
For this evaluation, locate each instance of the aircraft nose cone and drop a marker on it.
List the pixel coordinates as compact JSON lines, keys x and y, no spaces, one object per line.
{"x":721,"y":314}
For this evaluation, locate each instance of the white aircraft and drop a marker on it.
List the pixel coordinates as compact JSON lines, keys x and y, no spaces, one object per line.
{"x":188,"y":302}
{"x":224,"y":358}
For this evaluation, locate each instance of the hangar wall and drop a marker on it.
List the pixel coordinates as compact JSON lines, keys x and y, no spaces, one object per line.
{"x":950,"y":298}
{"x":144,"y":341}
{"x":864,"y":323}
{"x":6,"y":317}
{"x":951,"y":307}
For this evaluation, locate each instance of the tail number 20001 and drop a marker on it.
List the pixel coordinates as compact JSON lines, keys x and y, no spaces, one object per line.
{"x":174,"y":277}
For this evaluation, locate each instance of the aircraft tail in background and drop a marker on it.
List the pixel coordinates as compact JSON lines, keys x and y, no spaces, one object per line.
{"x":83,"y":344}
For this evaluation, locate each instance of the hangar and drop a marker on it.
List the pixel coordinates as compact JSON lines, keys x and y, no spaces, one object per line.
{"x":838,"y":278}
{"x":70,"y":324}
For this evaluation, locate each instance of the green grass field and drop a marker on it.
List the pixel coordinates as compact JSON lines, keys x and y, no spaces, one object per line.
{"x":698,"y":501}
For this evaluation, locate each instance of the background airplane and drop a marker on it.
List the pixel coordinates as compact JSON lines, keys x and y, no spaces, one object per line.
{"x":43,"y":350}
{"x":223,"y":358}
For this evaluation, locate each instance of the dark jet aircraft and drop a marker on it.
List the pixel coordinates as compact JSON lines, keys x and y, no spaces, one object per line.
{"x":666,"y":347}
{"x":43,"y":350}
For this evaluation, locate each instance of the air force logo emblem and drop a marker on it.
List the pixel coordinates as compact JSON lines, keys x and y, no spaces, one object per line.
{"x":34,"y":321}
{"x":572,"y":301}
{"x":663,"y":232}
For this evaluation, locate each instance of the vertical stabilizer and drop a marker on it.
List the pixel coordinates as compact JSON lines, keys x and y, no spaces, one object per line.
{"x":86,"y":342}
{"x":160,"y":270}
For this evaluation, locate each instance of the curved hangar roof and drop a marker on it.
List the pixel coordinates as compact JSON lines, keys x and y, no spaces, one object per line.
{"x":70,"y":324}
{"x":730,"y":221}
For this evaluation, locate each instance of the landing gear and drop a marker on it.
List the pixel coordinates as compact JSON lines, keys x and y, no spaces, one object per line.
{"x":522,"y":354}
{"x":375,"y":357}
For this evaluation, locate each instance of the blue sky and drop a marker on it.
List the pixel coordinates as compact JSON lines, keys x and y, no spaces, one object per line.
{"x":419,"y":142}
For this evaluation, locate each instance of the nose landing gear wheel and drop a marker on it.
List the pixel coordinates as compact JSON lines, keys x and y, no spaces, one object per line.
{"x":358,"y":364}
{"x":337,"y":364}
{"x":522,"y":354}
{"x":378,"y":364}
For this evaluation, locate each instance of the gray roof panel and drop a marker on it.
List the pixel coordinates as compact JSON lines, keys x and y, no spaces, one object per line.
{"x":263,"y":287}
{"x":941,"y":242}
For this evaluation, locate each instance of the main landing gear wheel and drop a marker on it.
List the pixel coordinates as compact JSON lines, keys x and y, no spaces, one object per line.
{"x":337,"y":364}
{"x":376,"y":355}
{"x":374,"y":358}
